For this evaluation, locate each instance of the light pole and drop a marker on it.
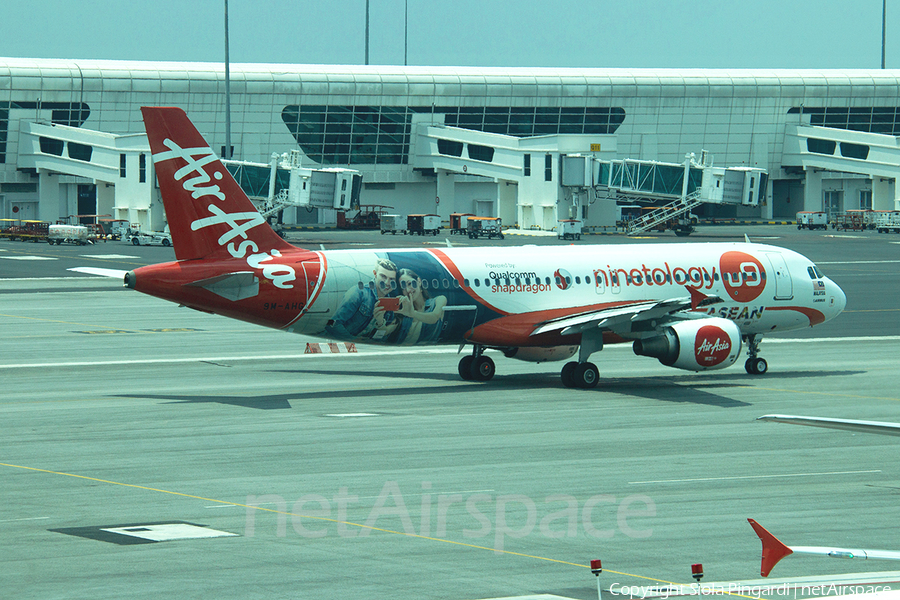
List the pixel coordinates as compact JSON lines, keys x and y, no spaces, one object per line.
{"x":883,"y":28}
{"x":227,"y":153}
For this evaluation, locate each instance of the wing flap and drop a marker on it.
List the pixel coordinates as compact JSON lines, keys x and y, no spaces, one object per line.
{"x":620,"y":318}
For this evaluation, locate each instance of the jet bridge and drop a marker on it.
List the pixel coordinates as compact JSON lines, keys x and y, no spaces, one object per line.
{"x":283,"y":183}
{"x":681,"y":187}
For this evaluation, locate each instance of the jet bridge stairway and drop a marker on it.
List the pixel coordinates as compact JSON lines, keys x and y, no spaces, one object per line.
{"x":665,"y":214}
{"x":678,"y":187}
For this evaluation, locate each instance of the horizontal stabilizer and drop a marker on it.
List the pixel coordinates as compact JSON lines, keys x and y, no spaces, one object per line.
{"x":231,"y":286}
{"x":101,"y":272}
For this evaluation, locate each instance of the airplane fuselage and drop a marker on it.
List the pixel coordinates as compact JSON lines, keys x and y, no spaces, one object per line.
{"x":496,"y":296}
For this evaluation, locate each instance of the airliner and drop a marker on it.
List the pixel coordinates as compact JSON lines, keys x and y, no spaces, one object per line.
{"x":691,"y":306}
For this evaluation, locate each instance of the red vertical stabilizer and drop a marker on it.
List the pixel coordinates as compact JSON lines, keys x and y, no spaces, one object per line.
{"x":772,"y":549}
{"x":209,"y":214}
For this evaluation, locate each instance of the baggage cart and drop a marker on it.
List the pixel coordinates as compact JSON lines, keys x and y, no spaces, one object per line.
{"x":423,"y":224}
{"x":459,"y":222}
{"x":887,"y":221}
{"x":811,"y":220}
{"x":568,"y":229}
{"x":488,"y":227}
{"x":392,"y":224}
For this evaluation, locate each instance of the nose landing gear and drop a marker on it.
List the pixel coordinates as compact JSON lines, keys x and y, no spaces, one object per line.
{"x":755,"y":365}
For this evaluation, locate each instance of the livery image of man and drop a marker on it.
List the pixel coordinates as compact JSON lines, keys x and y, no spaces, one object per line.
{"x":360,"y":315}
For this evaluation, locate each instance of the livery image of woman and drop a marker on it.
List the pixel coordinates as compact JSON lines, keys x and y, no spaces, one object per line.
{"x":423,"y":315}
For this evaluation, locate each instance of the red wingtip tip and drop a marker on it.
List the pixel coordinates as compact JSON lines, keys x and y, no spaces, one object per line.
{"x":773,"y":550}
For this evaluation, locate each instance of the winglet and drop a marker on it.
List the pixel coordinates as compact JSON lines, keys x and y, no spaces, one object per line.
{"x":696,"y":297}
{"x":773,"y":550}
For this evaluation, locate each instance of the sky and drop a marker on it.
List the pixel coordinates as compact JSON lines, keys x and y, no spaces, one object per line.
{"x":791,"y":34}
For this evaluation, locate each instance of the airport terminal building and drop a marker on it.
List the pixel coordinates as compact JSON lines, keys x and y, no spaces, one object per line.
{"x":485,"y":141}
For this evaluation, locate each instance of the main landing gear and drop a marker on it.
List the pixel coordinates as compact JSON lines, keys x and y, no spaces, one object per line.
{"x":755,"y":365}
{"x":580,"y":375}
{"x":476,"y":366}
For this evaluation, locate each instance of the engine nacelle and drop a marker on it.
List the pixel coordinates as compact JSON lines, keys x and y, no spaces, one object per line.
{"x":696,"y":345}
{"x":540,"y":353}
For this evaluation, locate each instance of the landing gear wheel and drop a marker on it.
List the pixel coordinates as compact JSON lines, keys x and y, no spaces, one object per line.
{"x":756,"y":366}
{"x":586,"y":375}
{"x":568,"y":374}
{"x":482,"y":368}
{"x":465,"y":367}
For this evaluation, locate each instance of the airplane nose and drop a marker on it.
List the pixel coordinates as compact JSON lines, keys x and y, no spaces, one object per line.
{"x":838,"y":299}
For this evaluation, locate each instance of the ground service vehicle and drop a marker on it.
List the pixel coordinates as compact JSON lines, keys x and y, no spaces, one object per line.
{"x":69,"y":234}
{"x":148,"y":238}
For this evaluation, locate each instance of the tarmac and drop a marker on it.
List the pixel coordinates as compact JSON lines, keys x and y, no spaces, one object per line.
{"x":152,"y":451}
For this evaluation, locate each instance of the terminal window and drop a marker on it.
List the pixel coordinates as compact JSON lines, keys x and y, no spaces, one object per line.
{"x":331,"y":134}
{"x":877,"y":119}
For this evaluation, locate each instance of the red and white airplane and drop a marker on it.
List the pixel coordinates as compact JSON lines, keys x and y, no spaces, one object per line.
{"x":688,"y":305}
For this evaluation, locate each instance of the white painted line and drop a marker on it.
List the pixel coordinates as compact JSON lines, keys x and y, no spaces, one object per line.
{"x":202,"y":359}
{"x":28,"y":258}
{"x":871,"y":338}
{"x":342,"y":415}
{"x":28,"y":519}
{"x":433,"y":493}
{"x":739,"y":477}
{"x":861,"y":262}
{"x":109,"y":256}
{"x":17,"y":279}
{"x":374,"y":351}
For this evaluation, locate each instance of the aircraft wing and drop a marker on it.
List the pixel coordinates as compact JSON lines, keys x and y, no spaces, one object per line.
{"x":879,"y":427}
{"x":621,"y":318}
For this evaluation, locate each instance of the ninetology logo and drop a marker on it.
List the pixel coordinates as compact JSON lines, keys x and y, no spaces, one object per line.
{"x":743,"y":276}
{"x":478,"y":515}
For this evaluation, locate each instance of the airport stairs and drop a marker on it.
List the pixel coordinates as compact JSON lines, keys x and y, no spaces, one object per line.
{"x":664,"y":214}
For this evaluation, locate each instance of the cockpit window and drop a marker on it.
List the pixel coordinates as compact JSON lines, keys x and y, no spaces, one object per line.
{"x":814,"y":272}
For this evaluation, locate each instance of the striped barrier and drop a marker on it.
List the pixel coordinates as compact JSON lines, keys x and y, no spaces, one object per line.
{"x":330,"y":348}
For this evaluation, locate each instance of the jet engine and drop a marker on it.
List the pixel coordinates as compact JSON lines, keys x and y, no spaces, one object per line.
{"x":540,"y":353}
{"x":696,"y":345}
